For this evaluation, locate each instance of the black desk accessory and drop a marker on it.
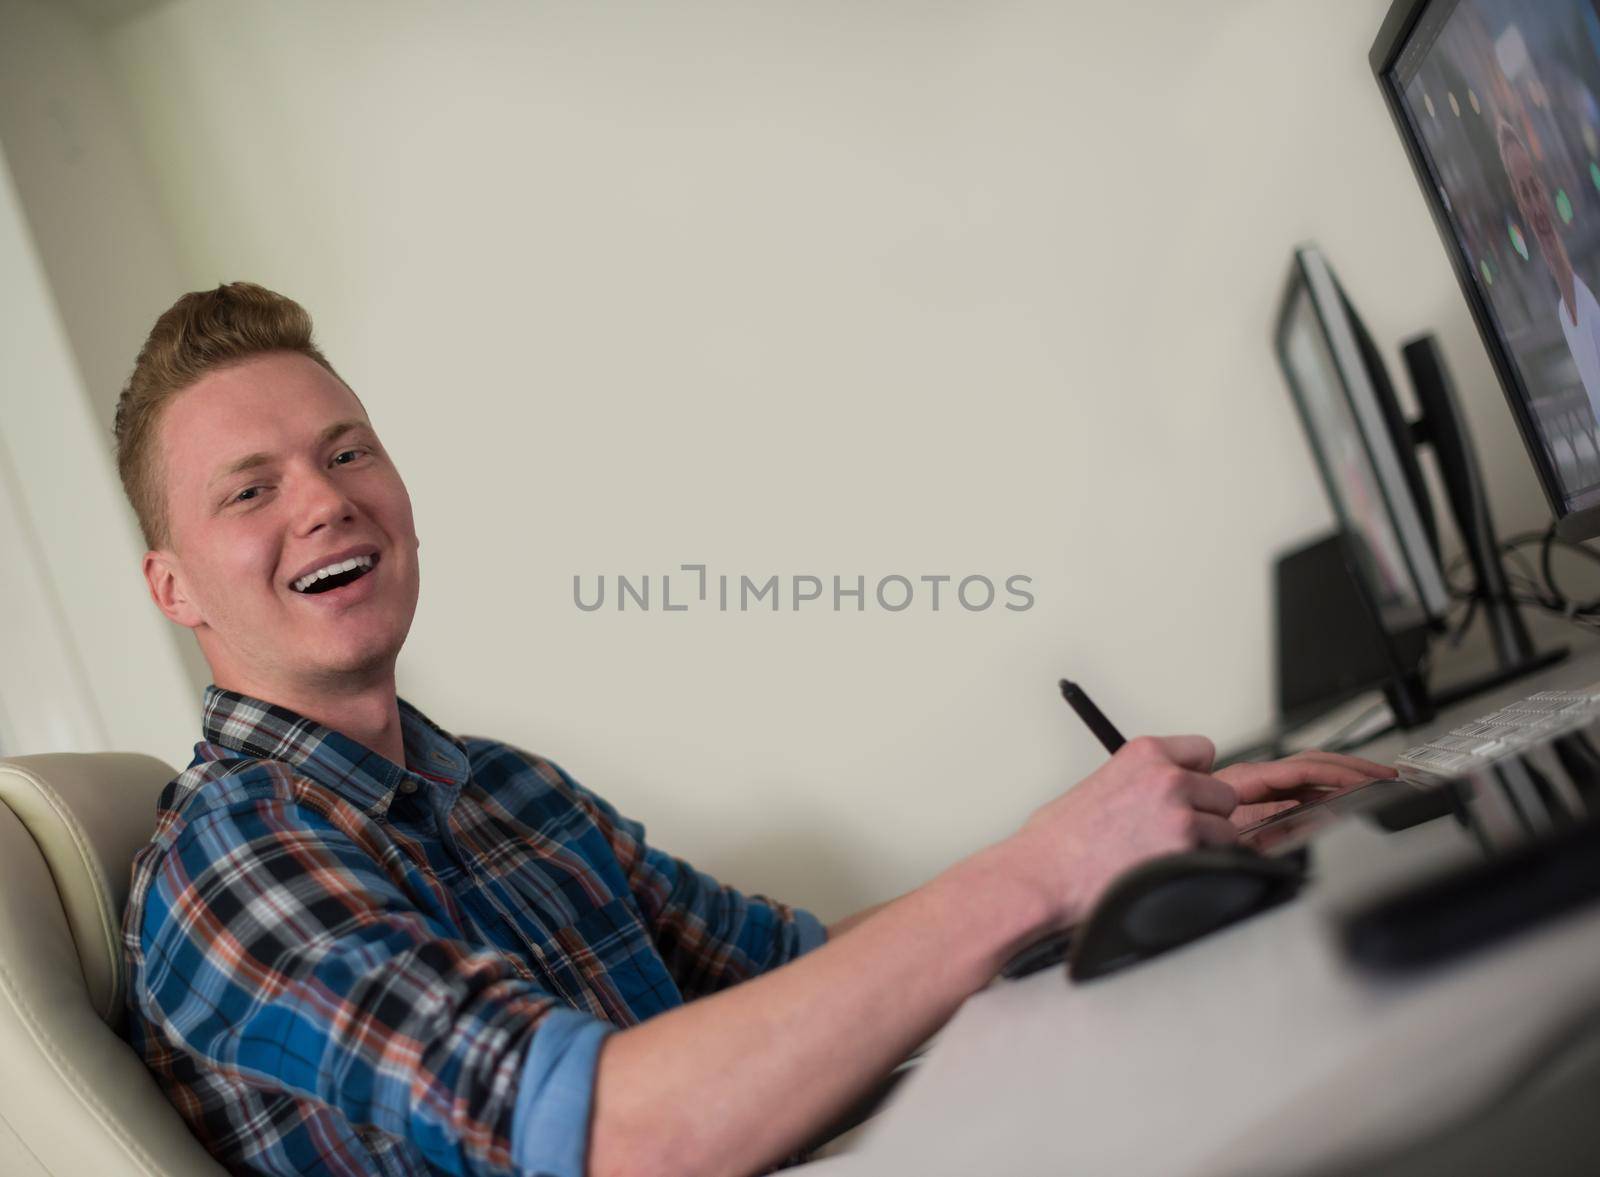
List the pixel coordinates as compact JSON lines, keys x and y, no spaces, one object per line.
{"x":1478,"y":904}
{"x":1330,"y":644}
{"x":1417,"y":807}
{"x":1169,"y":901}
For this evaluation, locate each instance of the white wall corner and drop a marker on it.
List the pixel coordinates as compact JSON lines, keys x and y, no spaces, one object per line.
{"x":89,"y":664}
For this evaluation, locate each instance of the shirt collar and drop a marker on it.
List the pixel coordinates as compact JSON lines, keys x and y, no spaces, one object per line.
{"x":257,"y":728}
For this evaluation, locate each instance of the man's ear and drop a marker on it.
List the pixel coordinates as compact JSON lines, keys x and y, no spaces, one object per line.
{"x":167,"y":590}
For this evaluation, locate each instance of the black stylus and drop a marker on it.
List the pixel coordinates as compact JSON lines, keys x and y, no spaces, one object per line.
{"x":1053,"y":949}
{"x":1097,"y":723}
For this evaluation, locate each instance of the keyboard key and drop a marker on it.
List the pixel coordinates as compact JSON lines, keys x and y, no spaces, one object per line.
{"x":1514,"y":727}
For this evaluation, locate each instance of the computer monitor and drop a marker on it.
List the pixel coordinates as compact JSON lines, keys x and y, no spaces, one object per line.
{"x":1498,"y":105}
{"x":1367,"y":451}
{"x":1361,"y":444}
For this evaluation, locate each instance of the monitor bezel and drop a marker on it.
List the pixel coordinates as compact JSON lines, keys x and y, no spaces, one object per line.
{"x":1312,"y":277}
{"x":1398,"y":24}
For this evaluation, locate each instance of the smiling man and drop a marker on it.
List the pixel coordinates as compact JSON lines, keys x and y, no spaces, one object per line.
{"x":358,"y":944}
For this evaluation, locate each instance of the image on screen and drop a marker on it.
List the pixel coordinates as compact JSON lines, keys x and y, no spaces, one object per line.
{"x":1504,"y":99}
{"x":1353,"y":482}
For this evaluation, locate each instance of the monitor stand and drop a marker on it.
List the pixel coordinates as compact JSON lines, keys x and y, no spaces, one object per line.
{"x":1442,"y":429}
{"x":1415,"y":702}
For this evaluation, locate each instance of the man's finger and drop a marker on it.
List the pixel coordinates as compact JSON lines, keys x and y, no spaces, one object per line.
{"x":1247,"y":815}
{"x":1207,"y":794}
{"x":1371,"y":768}
{"x":1211,"y":830}
{"x":1291,"y":773}
{"x":1263,"y":782}
{"x":1195,"y":753}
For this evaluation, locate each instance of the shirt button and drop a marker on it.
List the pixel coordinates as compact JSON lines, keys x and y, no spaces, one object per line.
{"x":408,"y":786}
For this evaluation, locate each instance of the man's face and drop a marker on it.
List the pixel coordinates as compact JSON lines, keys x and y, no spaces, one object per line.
{"x":1533,"y":201}
{"x":273,"y":472}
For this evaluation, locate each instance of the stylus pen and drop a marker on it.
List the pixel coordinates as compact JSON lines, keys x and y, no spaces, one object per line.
{"x":1053,"y":949}
{"x":1091,"y":716}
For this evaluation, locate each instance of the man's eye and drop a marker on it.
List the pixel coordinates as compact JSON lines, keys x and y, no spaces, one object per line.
{"x":248,"y":493}
{"x":345,"y":457}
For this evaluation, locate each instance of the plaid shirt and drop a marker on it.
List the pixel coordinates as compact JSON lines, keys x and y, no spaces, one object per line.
{"x":338,"y":965}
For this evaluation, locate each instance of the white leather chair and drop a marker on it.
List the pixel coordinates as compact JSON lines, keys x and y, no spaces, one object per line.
{"x":74,"y":1097}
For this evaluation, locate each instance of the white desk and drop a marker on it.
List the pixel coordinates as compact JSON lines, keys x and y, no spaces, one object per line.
{"x":1257,"y":1049}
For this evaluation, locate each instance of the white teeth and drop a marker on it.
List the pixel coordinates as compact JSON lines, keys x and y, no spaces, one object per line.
{"x":311,"y":578}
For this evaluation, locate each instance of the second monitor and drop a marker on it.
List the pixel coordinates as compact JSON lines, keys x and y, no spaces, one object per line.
{"x":1366,"y":451}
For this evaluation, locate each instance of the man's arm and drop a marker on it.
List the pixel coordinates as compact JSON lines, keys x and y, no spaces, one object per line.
{"x":1262,"y":790}
{"x":840,"y":927}
{"x":274,"y":947}
{"x":735,"y":1081}
{"x":710,"y":936}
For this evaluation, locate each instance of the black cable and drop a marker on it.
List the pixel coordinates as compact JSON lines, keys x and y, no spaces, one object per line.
{"x":1535,"y":587}
{"x":1547,"y":568}
{"x":1529,"y":576}
{"x":1465,"y":623}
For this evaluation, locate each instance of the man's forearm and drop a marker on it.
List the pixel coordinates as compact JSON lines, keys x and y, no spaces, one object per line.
{"x":735,"y":1081}
{"x":840,"y":927}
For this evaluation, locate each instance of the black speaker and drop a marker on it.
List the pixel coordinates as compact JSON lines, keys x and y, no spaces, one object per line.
{"x":1330,"y":646}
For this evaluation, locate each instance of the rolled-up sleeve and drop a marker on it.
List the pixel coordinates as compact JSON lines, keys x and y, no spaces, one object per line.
{"x":549,"y":1131}
{"x":710,"y":935}
{"x":276,"y":949}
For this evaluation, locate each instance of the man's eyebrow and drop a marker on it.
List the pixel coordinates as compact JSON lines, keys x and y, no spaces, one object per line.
{"x":340,"y":428}
{"x":251,"y":461}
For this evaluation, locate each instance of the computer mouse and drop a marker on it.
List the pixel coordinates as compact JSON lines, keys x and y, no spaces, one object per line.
{"x":1177,"y":898}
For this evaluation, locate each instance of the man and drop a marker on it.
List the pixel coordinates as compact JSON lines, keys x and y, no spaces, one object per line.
{"x":1576,"y":309}
{"x":359,"y":945}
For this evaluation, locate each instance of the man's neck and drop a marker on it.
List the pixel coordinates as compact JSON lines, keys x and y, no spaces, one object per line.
{"x":369,"y":715}
{"x":1566,"y":283}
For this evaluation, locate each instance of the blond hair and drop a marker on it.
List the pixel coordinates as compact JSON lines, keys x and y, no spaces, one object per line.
{"x":202,"y":332}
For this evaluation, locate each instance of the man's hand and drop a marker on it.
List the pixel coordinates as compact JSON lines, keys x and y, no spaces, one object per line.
{"x":1155,"y":796}
{"x":1276,"y":785}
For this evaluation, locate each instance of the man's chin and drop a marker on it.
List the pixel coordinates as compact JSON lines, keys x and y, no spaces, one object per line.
{"x":352,"y":669}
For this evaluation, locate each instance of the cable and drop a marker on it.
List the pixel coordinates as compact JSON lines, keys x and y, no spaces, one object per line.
{"x":1465,"y":623}
{"x":1547,"y":569}
{"x":1532,"y":587}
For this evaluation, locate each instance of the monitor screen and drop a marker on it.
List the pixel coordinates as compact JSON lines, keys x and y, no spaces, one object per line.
{"x":1500,"y":101}
{"x":1352,"y":481}
{"x":1354,"y":447}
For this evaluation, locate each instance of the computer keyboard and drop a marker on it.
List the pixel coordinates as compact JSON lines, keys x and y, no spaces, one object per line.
{"x":1511,"y":729}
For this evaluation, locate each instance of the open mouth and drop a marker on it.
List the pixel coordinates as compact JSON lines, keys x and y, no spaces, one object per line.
{"x":335,"y":576}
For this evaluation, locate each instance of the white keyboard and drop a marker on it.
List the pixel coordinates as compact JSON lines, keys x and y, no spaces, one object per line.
{"x":1511,"y":729}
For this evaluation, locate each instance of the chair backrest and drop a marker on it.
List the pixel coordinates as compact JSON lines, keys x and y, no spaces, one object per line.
{"x":75,"y":1097}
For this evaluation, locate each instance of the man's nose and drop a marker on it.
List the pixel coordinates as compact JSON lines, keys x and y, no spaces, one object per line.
{"x":321,"y":501}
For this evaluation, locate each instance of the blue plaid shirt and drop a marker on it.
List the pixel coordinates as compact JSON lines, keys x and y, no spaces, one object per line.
{"x":340,"y":965}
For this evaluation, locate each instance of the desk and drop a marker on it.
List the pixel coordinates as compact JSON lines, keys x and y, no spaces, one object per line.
{"x":1257,"y":1049}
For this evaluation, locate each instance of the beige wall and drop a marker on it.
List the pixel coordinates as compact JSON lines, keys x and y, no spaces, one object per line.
{"x":822,"y":288}
{"x":90,"y":222}
{"x":92,"y":211}
{"x":84,"y":665}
